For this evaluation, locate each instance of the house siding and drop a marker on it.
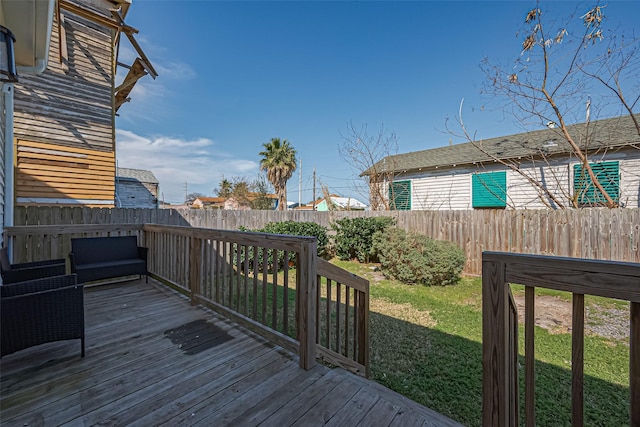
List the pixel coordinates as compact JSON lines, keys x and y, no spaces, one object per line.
{"x":136,"y":194}
{"x":451,"y":189}
{"x":521,"y":194}
{"x":54,"y":174}
{"x":442,"y":192}
{"x":65,"y":110}
{"x":630,"y":183}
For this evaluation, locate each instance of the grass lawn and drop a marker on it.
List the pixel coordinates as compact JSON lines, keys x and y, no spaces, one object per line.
{"x":426,"y":345}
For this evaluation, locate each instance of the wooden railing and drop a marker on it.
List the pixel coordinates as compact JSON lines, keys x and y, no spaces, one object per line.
{"x":581,"y":277}
{"x":274,"y":285}
{"x":342,"y":323}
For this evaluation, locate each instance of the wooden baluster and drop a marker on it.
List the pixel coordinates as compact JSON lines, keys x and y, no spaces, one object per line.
{"x":338,"y":297}
{"x":274,"y":292}
{"x":285,"y":295}
{"x":634,"y":363}
{"x":577,"y":361}
{"x":318,"y":300}
{"x":529,"y":356}
{"x":327,"y":343}
{"x":265,"y":268}
{"x":255,"y":283}
{"x":195,"y":257}
{"x":346,"y":320}
{"x":247,"y":261}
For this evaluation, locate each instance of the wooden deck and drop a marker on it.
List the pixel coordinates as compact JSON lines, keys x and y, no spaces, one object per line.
{"x":154,"y":359}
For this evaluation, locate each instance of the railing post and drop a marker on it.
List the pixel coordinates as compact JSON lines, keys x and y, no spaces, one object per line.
{"x":306,"y":303}
{"x":363,"y":329}
{"x":195,"y":262}
{"x":634,"y":363}
{"x":495,"y":346}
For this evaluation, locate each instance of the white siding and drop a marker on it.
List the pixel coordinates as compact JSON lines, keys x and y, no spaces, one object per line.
{"x":630,"y":183}
{"x":451,"y":189}
{"x":441,"y":192}
{"x":522,"y":194}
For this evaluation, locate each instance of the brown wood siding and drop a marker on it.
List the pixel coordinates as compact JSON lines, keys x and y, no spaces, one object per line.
{"x":57,"y":172}
{"x":71,"y":103}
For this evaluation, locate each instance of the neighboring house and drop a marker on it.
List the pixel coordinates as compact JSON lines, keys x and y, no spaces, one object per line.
{"x":338,"y":203}
{"x":208,"y":203}
{"x":467,"y":176}
{"x":232,"y":203}
{"x":64,"y":118}
{"x":136,"y":188}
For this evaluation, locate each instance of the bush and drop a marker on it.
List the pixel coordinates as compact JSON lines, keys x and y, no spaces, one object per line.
{"x":354,"y":236}
{"x":291,"y":228}
{"x":416,"y":259}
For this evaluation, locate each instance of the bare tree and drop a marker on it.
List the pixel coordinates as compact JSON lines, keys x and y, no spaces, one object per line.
{"x":370,"y":156}
{"x":565,"y":74}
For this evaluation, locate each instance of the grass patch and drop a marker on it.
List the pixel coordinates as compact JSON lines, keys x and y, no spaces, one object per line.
{"x":426,"y":345}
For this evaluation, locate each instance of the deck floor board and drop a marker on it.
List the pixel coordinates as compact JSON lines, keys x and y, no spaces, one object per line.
{"x":154,"y":359}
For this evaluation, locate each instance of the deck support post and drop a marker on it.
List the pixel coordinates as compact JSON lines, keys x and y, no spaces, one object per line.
{"x":496,"y":381}
{"x":307,"y":304}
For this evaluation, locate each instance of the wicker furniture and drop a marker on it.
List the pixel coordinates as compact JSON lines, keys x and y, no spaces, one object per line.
{"x":98,"y":258}
{"x":12,"y":273}
{"x":41,"y":311}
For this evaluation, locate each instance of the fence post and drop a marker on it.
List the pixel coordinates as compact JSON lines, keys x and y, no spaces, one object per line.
{"x":306,"y":303}
{"x":495,"y":345}
{"x":195,"y":261}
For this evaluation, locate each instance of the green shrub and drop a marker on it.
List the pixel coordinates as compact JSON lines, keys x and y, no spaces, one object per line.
{"x":354,"y":236}
{"x":291,"y":228}
{"x":416,"y":259}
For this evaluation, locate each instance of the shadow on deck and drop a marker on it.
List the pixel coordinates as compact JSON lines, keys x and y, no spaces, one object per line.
{"x":154,"y":359}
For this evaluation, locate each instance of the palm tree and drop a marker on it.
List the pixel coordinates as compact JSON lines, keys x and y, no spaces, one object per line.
{"x":279,"y":162}
{"x":226,"y":188}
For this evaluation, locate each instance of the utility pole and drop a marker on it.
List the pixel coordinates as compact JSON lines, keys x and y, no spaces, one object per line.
{"x":314,"y":188}
{"x":300,"y":186}
{"x":186,"y":186}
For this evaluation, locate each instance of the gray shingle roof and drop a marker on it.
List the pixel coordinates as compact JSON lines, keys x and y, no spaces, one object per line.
{"x":609,"y":133}
{"x":137,"y":175}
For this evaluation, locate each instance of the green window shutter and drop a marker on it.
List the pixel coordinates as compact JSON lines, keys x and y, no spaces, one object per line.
{"x":607,"y":173}
{"x":489,"y":190}
{"x":400,"y":195}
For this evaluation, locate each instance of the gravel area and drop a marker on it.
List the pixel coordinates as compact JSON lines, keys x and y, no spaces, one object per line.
{"x":554,"y":314}
{"x":610,"y":323}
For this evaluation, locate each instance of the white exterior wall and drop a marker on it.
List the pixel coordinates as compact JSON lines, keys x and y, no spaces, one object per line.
{"x":521,"y":194}
{"x":630,"y":183}
{"x":451,"y":189}
{"x":441,"y":192}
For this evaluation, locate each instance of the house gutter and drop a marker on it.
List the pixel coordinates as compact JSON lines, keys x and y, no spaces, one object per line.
{"x":41,"y":63}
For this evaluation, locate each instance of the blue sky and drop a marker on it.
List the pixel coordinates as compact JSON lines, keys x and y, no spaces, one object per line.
{"x":232,"y":75}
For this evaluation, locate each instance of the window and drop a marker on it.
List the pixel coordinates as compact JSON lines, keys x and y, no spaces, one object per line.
{"x":489,"y":190}
{"x":607,"y":173}
{"x":400,"y":195}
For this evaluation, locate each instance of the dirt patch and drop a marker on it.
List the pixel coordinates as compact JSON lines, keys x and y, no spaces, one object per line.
{"x":554,"y":314}
{"x":404,"y":312}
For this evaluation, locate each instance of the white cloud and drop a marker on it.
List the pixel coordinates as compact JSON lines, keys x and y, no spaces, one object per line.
{"x":175,"y":161}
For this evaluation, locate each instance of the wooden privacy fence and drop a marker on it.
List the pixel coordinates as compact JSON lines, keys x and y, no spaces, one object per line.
{"x":274,"y":285}
{"x":499,"y":336}
{"x":593,"y":233}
